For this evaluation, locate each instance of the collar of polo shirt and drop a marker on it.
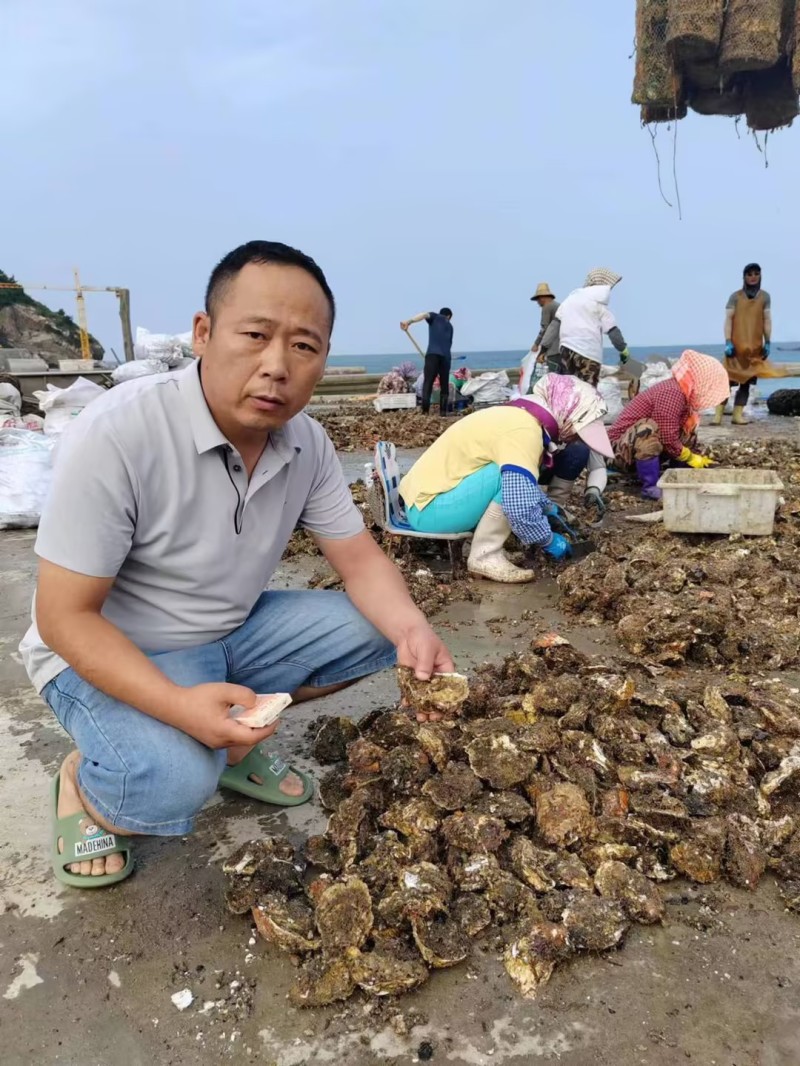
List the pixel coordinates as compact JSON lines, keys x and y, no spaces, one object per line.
{"x":207,"y":434}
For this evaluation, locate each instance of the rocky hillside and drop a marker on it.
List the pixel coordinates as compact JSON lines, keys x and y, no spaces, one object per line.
{"x":26,"y":323}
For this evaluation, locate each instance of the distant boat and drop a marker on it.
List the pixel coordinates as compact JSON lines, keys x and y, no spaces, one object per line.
{"x":788,"y":347}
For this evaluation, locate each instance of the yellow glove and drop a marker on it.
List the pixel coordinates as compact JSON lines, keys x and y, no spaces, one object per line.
{"x":695,"y":461}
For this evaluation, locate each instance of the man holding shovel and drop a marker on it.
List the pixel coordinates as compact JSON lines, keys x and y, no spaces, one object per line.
{"x":438,"y":355}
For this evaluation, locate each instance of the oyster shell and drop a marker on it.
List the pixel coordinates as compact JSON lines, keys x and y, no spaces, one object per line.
{"x":384,"y":973}
{"x":412,"y":817}
{"x":498,"y":760}
{"x":569,"y":872}
{"x":472,"y":913}
{"x":391,"y":729}
{"x":472,"y":872}
{"x":331,"y":788}
{"x":287,"y":923}
{"x":332,"y":735}
{"x":639,"y":897}
{"x":563,"y":815}
{"x":344,"y":915}
{"x":507,"y":806}
{"x":699,"y":857}
{"x":454,"y":788}
{"x":419,"y":890}
{"x":530,"y":864}
{"x":745,"y":857}
{"x":322,"y":981}
{"x":442,"y":694}
{"x":474,"y":832}
{"x":383,"y":864}
{"x":406,"y":768}
{"x":531,"y":959}
{"x":510,"y":900}
{"x":365,"y":757}
{"x":440,"y":940}
{"x":323,"y":853}
{"x":594,"y":924}
{"x":439,"y":741}
{"x":258,"y":868}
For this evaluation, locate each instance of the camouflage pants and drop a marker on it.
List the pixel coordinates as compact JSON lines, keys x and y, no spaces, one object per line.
{"x":641,"y":441}
{"x":578,"y":366}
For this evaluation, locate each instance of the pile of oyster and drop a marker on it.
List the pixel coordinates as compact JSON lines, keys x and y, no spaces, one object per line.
{"x":356,"y":427}
{"x":712,"y":601}
{"x":541,"y":811}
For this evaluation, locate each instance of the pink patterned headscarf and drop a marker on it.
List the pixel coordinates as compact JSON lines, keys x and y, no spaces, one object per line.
{"x":573,"y":403}
{"x":703,"y":381}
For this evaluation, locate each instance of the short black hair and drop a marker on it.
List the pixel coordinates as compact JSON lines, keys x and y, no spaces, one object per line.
{"x":263,"y":252}
{"x":446,"y":311}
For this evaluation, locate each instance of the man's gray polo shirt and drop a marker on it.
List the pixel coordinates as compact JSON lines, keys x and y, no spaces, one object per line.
{"x":147,"y":490}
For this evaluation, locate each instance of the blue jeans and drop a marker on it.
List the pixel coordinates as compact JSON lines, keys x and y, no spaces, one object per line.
{"x":148,"y":777}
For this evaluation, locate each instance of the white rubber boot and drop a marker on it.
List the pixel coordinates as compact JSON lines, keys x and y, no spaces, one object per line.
{"x":560,"y":490}
{"x":486,"y":556}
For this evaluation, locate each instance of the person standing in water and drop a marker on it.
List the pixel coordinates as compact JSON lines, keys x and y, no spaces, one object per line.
{"x":748,"y":329}
{"x":438,"y":355}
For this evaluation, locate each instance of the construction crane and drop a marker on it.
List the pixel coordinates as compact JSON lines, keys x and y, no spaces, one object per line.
{"x":123,"y":295}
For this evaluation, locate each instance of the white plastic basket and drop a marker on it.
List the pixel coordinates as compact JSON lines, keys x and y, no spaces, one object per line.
{"x":720,"y":500}
{"x":395,"y":401}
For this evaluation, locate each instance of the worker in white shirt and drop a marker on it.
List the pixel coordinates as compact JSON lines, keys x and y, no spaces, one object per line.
{"x":583,"y":318}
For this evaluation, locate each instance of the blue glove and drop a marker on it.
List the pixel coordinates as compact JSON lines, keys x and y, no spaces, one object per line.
{"x":729,"y":349}
{"x":767,"y":347}
{"x":558,"y":547}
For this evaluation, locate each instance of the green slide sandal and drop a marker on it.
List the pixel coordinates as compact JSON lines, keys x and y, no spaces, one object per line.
{"x":84,"y":840}
{"x":272,"y":770}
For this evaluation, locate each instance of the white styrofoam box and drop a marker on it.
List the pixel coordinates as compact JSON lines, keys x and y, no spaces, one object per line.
{"x":720,"y":500}
{"x":394,"y":401}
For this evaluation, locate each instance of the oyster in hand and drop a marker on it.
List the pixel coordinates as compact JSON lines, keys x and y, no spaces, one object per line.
{"x":443,"y":694}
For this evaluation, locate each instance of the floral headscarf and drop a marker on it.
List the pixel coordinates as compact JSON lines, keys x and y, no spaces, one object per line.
{"x":703,"y":381}
{"x":573,"y":403}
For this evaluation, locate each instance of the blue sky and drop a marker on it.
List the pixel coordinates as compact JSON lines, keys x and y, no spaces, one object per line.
{"x":423,"y":151}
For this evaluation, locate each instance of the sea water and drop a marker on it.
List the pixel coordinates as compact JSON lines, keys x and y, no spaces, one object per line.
{"x":504,"y":360}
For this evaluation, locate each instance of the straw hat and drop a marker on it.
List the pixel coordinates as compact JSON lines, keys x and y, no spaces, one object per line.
{"x":543,"y":289}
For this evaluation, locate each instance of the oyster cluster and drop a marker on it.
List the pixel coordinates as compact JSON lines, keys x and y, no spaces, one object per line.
{"x":544,"y":816}
{"x":717,"y":602}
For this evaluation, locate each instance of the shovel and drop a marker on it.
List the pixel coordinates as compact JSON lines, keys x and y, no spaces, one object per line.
{"x":580,"y":547}
{"x":634,"y":368}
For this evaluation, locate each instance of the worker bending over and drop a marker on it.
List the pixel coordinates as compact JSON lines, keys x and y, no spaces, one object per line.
{"x":662,"y":421}
{"x":583,"y":318}
{"x":482,"y":473}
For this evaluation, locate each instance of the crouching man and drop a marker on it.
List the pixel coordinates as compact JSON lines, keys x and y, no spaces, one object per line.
{"x":174,"y":497}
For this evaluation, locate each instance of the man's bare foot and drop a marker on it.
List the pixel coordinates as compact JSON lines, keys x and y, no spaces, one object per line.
{"x":70,"y":802}
{"x":291,"y":785}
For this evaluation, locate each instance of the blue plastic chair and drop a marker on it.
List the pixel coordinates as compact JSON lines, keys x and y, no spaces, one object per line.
{"x":388,"y":512}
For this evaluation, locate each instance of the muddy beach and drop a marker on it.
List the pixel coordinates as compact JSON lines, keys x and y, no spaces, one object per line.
{"x":90,"y":977}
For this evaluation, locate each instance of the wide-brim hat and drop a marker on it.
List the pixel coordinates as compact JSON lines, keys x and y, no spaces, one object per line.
{"x":543,"y":289}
